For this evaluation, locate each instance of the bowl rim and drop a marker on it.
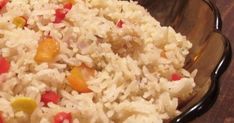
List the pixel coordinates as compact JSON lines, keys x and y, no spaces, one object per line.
{"x":207,"y":101}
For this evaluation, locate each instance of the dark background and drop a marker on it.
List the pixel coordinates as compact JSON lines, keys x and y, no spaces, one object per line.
{"x":223,"y":109}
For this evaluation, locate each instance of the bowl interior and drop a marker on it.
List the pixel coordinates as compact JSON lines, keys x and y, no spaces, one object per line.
{"x":195,"y":19}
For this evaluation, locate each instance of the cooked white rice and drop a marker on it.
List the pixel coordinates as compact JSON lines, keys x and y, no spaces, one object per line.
{"x":133,"y":64}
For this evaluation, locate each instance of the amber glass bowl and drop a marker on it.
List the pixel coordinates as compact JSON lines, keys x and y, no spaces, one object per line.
{"x":200,"y":21}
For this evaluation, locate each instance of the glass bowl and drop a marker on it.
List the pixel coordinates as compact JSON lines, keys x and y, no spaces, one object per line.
{"x":211,"y":54}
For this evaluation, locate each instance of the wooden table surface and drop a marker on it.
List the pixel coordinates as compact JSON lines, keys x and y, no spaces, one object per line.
{"x":223,"y":109}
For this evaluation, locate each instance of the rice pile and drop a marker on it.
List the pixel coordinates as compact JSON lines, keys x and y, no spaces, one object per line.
{"x":133,"y":57}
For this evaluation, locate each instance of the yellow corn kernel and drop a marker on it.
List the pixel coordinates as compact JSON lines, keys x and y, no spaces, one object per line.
{"x":19,"y":21}
{"x":25,"y":104}
{"x":47,"y":50}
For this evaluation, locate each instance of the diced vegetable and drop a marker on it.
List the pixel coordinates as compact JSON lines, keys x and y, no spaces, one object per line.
{"x":78,"y":78}
{"x":67,"y":6}
{"x":19,"y":21}
{"x":25,"y":104}
{"x":3,"y":3}
{"x":175,"y":76}
{"x":61,"y":117}
{"x":61,"y":12}
{"x":59,"y":15}
{"x":1,"y":118}
{"x":119,"y":23}
{"x":69,"y":1}
{"x":4,"y":65}
{"x":50,"y":96}
{"x":47,"y":50}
